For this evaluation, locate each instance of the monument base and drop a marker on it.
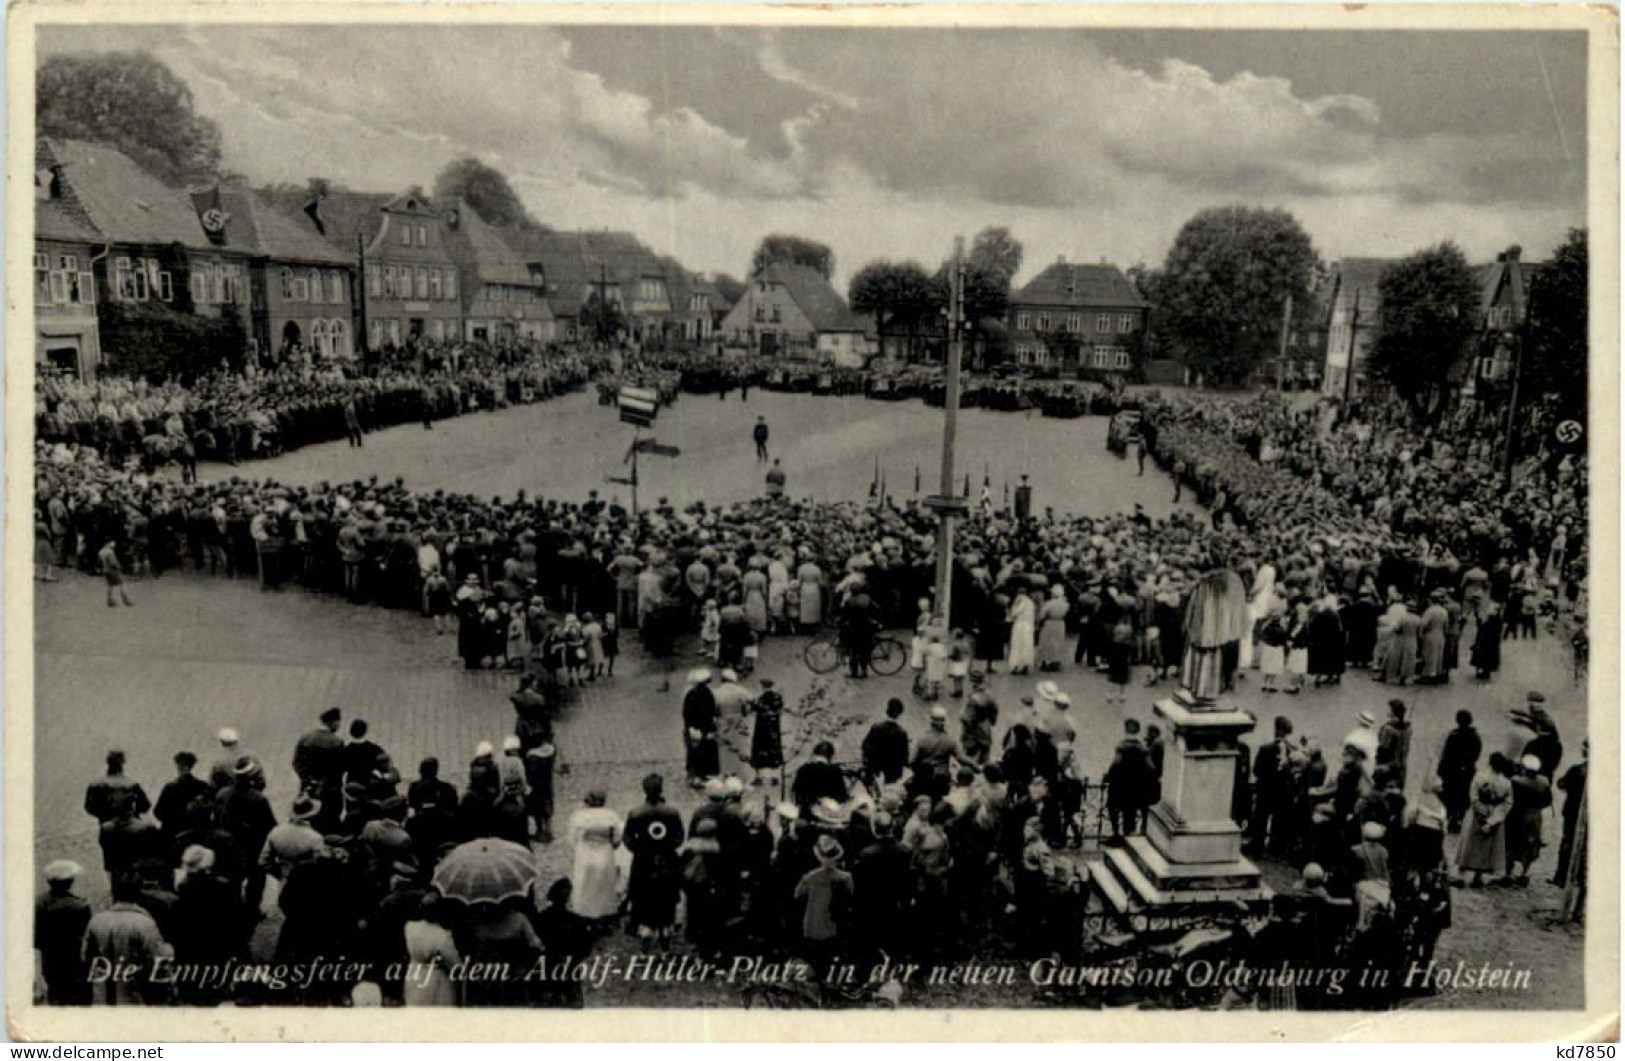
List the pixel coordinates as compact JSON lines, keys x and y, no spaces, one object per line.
{"x":1189,"y":861}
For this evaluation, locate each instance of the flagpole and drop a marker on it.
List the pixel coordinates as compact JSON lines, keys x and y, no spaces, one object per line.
{"x":947,"y":504}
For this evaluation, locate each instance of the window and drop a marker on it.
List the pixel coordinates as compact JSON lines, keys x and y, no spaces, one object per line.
{"x":130,"y":279}
{"x":58,"y":287}
{"x":434,"y":284}
{"x":197,"y":285}
{"x":1043,"y":322}
{"x":392,"y":329}
{"x":375,"y":333}
{"x":318,"y":337}
{"x":406,"y":235}
{"x":217,"y":283}
{"x":314,"y":286}
{"x":778,"y":316}
{"x":340,"y":337}
{"x":375,"y":283}
{"x":1103,"y":322}
{"x":423,"y":235}
{"x":423,"y":280}
{"x":287,"y":285}
{"x":1125,"y":323}
{"x":761,"y":314}
{"x":301,"y":289}
{"x":1024,"y":320}
{"x":451,"y":284}
{"x":389,"y":281}
{"x":1119,"y":356}
{"x":1074,"y":323}
{"x":42,"y":278}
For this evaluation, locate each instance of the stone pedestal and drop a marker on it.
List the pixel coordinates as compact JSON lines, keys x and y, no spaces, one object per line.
{"x":1190,"y":855}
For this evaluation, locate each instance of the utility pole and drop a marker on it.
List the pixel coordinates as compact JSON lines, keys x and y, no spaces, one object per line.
{"x":947,"y":506}
{"x":1512,"y":407}
{"x":1286,"y":331}
{"x":365,"y":344}
{"x":1354,"y":340}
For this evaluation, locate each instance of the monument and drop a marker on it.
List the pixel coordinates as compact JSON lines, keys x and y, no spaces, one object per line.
{"x":1189,"y":861}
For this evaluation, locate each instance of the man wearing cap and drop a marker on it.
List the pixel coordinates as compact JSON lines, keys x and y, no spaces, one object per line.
{"x":179,"y":794}
{"x":703,"y":758}
{"x":220,"y":771}
{"x":825,"y":895}
{"x":246,"y":815}
{"x":1394,"y":742}
{"x":934,"y":756}
{"x":318,"y":760}
{"x":653,"y":835}
{"x":60,"y":920}
{"x":1545,"y":745}
{"x":1458,"y":762}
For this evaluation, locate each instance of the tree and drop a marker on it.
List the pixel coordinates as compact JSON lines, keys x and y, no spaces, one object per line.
{"x":1556,"y":344}
{"x":1430,"y":311}
{"x":1223,"y":285}
{"x":996,"y":252}
{"x":793,"y":250}
{"x":134,"y":103}
{"x":485,"y":190}
{"x":730,"y":288}
{"x":902,"y":296}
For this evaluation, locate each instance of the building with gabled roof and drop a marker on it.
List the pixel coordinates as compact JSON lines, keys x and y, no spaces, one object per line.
{"x":1074,"y":316}
{"x":301,"y":286}
{"x":66,"y":336}
{"x":1504,"y":286}
{"x":154,"y":241}
{"x":503,"y":295}
{"x":408,"y":282}
{"x":793,"y":311}
{"x":1353,"y":309}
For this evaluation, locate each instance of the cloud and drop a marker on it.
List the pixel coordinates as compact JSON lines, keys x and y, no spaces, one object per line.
{"x":884,"y":143}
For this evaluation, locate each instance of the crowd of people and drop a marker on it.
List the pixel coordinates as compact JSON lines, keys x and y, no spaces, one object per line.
{"x":233,"y":417}
{"x":1362,"y":542}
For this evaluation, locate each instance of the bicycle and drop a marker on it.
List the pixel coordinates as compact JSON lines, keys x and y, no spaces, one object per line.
{"x":886,"y":656}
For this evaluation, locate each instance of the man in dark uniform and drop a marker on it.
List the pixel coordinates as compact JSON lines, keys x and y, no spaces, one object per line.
{"x":885,"y":746}
{"x":700,"y":729}
{"x":179,"y":794}
{"x":1573,"y":786}
{"x":318,"y":760}
{"x":654,"y":832}
{"x":759,"y":433}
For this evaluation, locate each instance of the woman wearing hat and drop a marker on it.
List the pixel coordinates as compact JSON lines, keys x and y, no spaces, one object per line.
{"x":1531,"y":796}
{"x":1052,"y":629}
{"x":1483,"y":837}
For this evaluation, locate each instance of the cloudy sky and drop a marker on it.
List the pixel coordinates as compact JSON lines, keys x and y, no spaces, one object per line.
{"x":886,"y":143}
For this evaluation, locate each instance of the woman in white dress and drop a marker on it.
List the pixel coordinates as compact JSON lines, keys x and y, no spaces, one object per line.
{"x":431,"y":954}
{"x":1023,"y":620}
{"x":778,"y":581}
{"x":595,"y":877}
{"x":1259,"y":605}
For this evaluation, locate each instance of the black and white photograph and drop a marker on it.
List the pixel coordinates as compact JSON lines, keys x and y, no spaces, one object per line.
{"x":759,"y":514}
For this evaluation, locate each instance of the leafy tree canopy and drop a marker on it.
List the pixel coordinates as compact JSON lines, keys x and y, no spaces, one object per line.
{"x":485,"y":189}
{"x":132,"y":102}
{"x":1430,"y":310}
{"x":996,"y":253}
{"x":1223,"y":285}
{"x":793,"y":250}
{"x":1556,"y":341}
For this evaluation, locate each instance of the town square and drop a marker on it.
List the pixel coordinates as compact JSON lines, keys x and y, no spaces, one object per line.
{"x":775,"y":571}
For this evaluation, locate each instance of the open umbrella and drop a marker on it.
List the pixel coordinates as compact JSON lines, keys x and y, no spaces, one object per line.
{"x":487,"y":870}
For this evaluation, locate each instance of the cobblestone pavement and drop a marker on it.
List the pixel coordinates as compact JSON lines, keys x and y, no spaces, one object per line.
{"x":196,"y":654}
